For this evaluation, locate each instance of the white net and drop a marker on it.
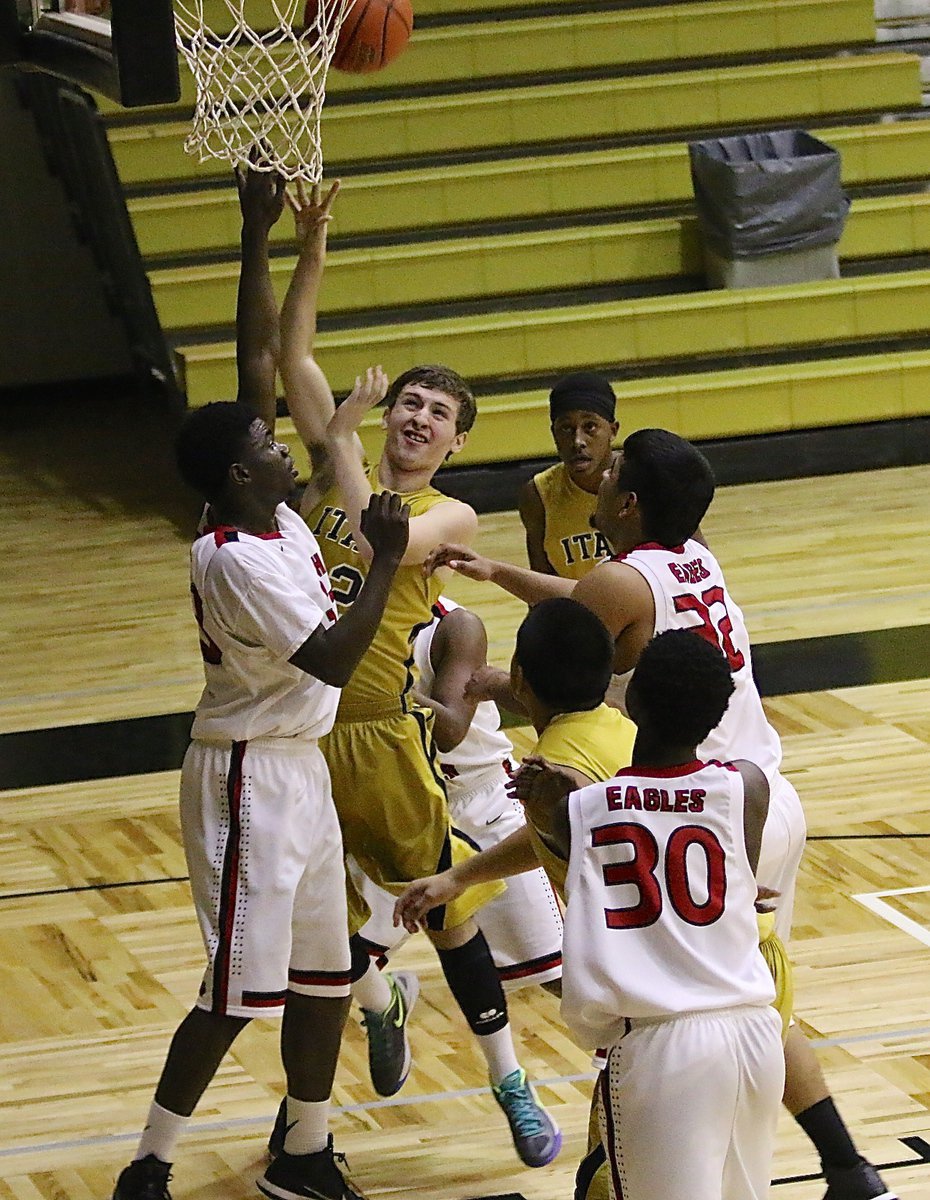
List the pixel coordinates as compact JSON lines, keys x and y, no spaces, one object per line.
{"x":260,"y":92}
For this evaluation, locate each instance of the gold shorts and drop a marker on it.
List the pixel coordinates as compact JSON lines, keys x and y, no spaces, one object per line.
{"x":778,"y":962}
{"x":391,"y":801}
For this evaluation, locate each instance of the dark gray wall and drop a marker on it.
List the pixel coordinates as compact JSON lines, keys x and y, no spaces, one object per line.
{"x":54,"y":322}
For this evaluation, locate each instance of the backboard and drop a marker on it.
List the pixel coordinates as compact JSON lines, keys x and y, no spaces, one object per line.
{"x":123,"y":48}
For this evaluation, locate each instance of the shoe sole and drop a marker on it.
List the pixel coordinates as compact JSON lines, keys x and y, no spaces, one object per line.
{"x":554,"y":1153}
{"x":275,"y":1192}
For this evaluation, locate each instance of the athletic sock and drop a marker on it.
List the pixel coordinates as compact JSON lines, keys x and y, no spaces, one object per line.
{"x":473,"y":980}
{"x":307,"y":1126}
{"x":372,"y":991}
{"x":824,"y":1126}
{"x":359,"y":956}
{"x":161,"y":1133}
{"x":501,"y":1057}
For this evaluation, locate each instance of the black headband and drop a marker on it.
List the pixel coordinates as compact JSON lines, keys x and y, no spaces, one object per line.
{"x":584,"y":390}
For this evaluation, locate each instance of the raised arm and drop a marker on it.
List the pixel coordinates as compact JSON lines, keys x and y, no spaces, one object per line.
{"x":306,"y":389}
{"x":333,"y":654}
{"x":261,"y":200}
{"x":458,"y":648}
{"x":533,"y":516}
{"x":451,"y":519}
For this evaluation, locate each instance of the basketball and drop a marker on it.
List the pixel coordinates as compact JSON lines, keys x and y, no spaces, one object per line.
{"x":373,"y":34}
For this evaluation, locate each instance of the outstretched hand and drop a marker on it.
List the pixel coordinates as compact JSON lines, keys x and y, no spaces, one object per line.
{"x":370,"y":389}
{"x":421,"y":896}
{"x":466,"y":562}
{"x":538,"y":782}
{"x":312,"y":211}
{"x":261,"y":195}
{"x":386,"y":525}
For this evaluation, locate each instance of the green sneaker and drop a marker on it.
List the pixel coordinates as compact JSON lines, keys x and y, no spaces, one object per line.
{"x":388,"y":1047}
{"x":536,"y":1136}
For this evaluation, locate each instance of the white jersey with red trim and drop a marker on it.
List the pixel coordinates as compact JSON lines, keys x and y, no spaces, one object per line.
{"x":660,"y":918}
{"x":689,"y":592}
{"x":257,"y":598}
{"x":485,"y":747}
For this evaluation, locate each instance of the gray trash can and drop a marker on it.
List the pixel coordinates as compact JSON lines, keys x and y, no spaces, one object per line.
{"x":770,"y":206}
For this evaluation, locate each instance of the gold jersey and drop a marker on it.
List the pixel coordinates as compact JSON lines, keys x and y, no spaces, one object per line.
{"x":598,"y":743}
{"x":571,"y":545}
{"x":386,"y":672}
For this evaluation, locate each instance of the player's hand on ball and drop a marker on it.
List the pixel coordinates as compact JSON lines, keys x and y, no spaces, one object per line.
{"x":421,"y":896}
{"x":386,"y":525}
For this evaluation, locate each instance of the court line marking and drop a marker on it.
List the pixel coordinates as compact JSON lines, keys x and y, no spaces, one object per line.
{"x":874,"y":903}
{"x":114,"y":1139}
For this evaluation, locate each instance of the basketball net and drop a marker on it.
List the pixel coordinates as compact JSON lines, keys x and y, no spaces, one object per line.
{"x":259,"y":93}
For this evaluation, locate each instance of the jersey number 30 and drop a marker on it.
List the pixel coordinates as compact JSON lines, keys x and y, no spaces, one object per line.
{"x":641,"y":871}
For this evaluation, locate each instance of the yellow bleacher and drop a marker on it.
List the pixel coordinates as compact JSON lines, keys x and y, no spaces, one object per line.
{"x":643,"y":331}
{"x":179,"y":223}
{"x":600,"y":108}
{"x":578,"y":41}
{"x":706,"y":405}
{"x":582,"y":116}
{"x":506,"y":263}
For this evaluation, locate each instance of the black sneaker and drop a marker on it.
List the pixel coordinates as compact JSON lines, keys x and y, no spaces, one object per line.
{"x":279,"y":1131}
{"x":388,"y":1047}
{"x":861,"y":1182}
{"x":308,"y":1177}
{"x":145,"y":1179}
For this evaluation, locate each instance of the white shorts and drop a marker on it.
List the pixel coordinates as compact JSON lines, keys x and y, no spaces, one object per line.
{"x":688,"y":1107}
{"x":523,"y":926}
{"x":264,"y":854}
{"x":782,"y":847}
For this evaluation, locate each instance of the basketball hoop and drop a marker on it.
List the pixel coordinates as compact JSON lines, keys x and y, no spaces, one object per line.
{"x":260,"y":94}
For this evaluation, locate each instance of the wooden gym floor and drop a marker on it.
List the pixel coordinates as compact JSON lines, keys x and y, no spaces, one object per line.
{"x":99,"y":952}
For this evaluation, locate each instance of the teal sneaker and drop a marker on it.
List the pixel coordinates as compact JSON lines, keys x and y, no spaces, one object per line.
{"x":388,"y":1047}
{"x":536,"y":1136}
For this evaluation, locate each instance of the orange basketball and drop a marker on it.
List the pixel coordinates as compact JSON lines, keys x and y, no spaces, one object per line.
{"x":373,"y":34}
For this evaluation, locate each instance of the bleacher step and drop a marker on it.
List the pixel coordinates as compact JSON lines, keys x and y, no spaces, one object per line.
{"x":647,"y":333}
{"x":525,"y":116}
